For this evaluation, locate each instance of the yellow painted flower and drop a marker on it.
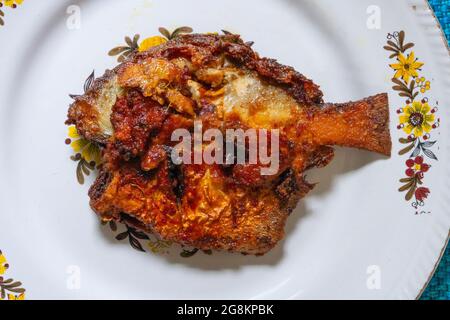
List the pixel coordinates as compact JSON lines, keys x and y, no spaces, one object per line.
{"x":3,"y":264}
{"x":406,"y":67}
{"x":14,"y":297}
{"x":423,"y":85}
{"x":89,"y":151}
{"x":151,"y":42}
{"x":11,"y":3}
{"x":417,"y":118}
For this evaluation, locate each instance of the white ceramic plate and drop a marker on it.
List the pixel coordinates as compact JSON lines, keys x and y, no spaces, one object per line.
{"x":354,"y":236}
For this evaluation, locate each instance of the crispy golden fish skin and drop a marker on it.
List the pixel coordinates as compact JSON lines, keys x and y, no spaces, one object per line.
{"x":133,"y":109}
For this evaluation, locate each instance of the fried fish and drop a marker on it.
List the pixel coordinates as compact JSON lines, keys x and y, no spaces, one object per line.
{"x":132,"y":111}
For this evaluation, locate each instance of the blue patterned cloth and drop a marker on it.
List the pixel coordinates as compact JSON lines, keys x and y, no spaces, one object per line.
{"x":442,"y":11}
{"x":439,"y":286}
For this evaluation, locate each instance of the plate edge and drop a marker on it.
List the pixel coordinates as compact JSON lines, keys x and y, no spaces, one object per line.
{"x":443,"y":38}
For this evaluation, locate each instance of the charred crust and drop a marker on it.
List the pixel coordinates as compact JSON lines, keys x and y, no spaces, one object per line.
{"x":83,"y":115}
{"x":320,"y":158}
{"x":379,"y":117}
{"x":201,"y":50}
{"x":207,"y":207}
{"x":297,"y":85}
{"x":287,"y":188}
{"x":204,"y":49}
{"x":134,"y":118}
{"x":100,"y":185}
{"x":176,"y":175}
{"x":133,"y":222}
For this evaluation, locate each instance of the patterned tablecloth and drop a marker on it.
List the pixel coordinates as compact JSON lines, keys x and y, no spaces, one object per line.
{"x":439,"y":286}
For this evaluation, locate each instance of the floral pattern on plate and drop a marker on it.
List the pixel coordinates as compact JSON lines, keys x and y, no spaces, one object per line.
{"x":7,"y":3}
{"x":8,"y":287}
{"x":417,"y":119}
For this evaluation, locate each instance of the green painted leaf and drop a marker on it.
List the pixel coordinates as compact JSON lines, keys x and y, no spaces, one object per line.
{"x":139,"y":234}
{"x":80,"y":176}
{"x":410,"y":193}
{"x":135,"y":244}
{"x":129,"y":41}
{"x":186,"y":253}
{"x":405,"y":140}
{"x":428,"y":144}
{"x":117,"y":50}
{"x":406,"y":186}
{"x":135,"y":41}
{"x":430,"y":154}
{"x":416,"y":152}
{"x":180,"y":31}
{"x":89,"y":81}
{"x":401,"y":38}
{"x":113,"y":225}
{"x":407,"y":149}
{"x":122,"y":236}
{"x":389,"y":48}
{"x":164,"y":32}
{"x":393,"y":44}
{"x":84,"y":168}
{"x":16,"y":290}
{"x":408,"y":46}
